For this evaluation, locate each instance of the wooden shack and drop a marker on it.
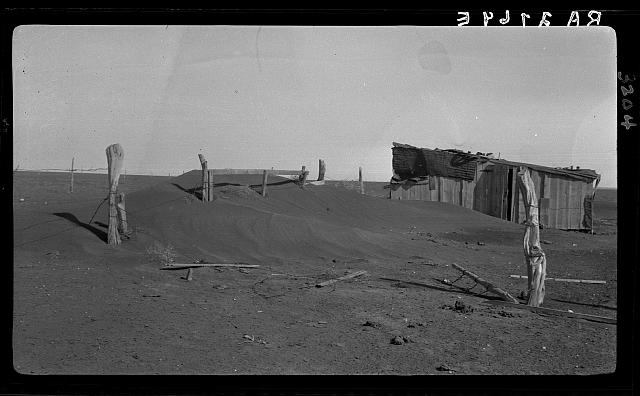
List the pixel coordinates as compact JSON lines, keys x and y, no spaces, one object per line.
{"x":488,"y":185}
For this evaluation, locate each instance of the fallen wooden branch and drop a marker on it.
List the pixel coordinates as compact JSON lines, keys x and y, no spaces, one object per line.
{"x":550,"y":311}
{"x":348,"y":276}
{"x":489,"y":286}
{"x":611,"y":307}
{"x":565,"y":280}
{"x":196,"y":265}
{"x":414,"y":283}
{"x":451,"y":284}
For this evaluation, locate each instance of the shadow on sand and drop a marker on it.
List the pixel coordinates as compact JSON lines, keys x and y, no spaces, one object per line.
{"x":72,"y":218}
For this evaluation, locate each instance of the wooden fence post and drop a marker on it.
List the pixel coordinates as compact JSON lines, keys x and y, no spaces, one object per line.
{"x":265,"y":174}
{"x":533,"y":253}
{"x":71,"y":185}
{"x":303,"y":176}
{"x":205,"y":174}
{"x":122,"y":215}
{"x":360,"y":180}
{"x":321,"y":169}
{"x":210,"y":185}
{"x":115,"y":157}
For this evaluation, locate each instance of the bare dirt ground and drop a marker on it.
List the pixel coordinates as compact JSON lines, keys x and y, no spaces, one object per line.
{"x":83,"y":307}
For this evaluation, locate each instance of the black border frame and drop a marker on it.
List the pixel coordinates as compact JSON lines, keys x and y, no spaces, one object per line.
{"x":621,"y":382}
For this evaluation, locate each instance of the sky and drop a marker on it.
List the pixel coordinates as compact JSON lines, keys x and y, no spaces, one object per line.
{"x":283,"y":97}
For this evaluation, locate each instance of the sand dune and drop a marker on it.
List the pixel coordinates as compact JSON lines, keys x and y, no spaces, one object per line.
{"x":290,"y":222}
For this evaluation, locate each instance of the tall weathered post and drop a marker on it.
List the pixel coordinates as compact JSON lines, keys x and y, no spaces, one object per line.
{"x":360,"y":180}
{"x":205,"y":175}
{"x":265,"y":174}
{"x":115,"y":157}
{"x":321,"y":169}
{"x":534,"y":255}
{"x":71,"y":182}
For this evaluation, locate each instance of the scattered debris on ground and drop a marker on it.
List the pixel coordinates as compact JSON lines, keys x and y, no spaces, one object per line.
{"x":348,"y":276}
{"x":369,"y":323}
{"x":501,"y":313}
{"x":53,"y":254}
{"x":445,"y":367}
{"x":422,"y":261}
{"x":459,"y":306}
{"x":400,"y":340}
{"x":251,"y":338}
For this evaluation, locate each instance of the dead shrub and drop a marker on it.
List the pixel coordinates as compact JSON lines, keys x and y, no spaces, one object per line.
{"x":160,"y":254}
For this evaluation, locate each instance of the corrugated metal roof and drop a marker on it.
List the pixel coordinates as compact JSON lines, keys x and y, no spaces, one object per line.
{"x":413,"y":162}
{"x":410,"y":161}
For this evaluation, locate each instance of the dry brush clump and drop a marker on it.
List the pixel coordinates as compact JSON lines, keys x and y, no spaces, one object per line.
{"x":164,"y":255}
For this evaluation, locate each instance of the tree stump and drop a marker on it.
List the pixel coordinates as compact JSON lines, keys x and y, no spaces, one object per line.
{"x":115,"y":157}
{"x":205,"y":175}
{"x":534,"y":255}
{"x":321,"y":170}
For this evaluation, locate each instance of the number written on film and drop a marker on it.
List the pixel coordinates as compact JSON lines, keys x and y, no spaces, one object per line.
{"x":626,"y":88}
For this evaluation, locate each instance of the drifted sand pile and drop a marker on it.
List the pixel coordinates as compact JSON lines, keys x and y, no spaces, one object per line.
{"x":239,"y":224}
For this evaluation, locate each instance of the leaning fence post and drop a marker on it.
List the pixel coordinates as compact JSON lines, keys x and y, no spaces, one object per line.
{"x":321,"y":169}
{"x":360,"y":180}
{"x":205,"y":184}
{"x":115,"y":156}
{"x":265,"y":174}
{"x":534,"y":255}
{"x":122,"y":215}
